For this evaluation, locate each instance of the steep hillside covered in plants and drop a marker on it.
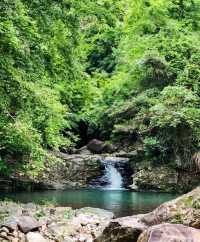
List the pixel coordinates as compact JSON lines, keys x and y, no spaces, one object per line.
{"x":152,"y":99}
{"x":47,"y":50}
{"x":126,"y":72}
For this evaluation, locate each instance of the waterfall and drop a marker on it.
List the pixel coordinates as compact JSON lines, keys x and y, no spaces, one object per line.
{"x":111,"y":178}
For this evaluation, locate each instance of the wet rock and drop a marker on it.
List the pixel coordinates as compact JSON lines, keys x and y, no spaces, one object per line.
{"x":125,"y":229}
{"x":35,"y":237}
{"x":170,"y":232}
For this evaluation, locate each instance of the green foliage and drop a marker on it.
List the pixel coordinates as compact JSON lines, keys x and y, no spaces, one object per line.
{"x":127,"y":69}
{"x":69,"y":214}
{"x":158,"y":51}
{"x":37,"y":56}
{"x":43,"y":87}
{"x":154,"y":150}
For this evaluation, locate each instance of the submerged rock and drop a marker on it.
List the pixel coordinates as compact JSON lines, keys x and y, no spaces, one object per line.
{"x":170,"y":233}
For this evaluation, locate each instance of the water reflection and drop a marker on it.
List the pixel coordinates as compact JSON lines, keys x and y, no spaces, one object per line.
{"x":122,"y":202}
{"x":112,"y":200}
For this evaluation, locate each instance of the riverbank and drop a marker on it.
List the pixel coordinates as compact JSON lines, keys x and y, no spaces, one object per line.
{"x":47,"y":223}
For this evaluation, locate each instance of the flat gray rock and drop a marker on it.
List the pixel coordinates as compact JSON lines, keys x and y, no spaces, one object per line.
{"x":27,"y":223}
{"x":24,"y":223}
{"x":35,"y":237}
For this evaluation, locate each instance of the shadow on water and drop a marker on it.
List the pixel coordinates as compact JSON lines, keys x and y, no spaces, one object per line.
{"x":121,"y":202}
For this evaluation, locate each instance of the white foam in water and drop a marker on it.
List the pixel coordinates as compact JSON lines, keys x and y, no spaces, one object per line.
{"x":113,"y":176}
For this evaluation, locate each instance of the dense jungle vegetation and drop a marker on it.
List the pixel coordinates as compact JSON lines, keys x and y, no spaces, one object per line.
{"x":125,"y":71}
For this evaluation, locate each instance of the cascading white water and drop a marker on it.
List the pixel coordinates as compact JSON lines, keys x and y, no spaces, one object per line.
{"x":113,"y":177}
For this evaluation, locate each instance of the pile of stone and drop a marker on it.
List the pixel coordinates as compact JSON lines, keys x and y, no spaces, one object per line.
{"x":33,"y":223}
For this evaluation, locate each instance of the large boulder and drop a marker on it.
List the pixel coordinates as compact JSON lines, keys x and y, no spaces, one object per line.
{"x":125,"y":229}
{"x":98,"y":147}
{"x":27,"y":224}
{"x":24,"y":223}
{"x":170,"y":233}
{"x":184,"y":210}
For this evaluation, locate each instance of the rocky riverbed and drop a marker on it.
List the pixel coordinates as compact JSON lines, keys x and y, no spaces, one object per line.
{"x":34,"y":223}
{"x":177,"y":220}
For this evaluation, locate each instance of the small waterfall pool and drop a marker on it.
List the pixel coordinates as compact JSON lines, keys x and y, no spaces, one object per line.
{"x":108,"y":192}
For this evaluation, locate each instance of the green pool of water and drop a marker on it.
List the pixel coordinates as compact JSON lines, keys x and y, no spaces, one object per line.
{"x":122,"y":202}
